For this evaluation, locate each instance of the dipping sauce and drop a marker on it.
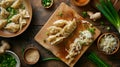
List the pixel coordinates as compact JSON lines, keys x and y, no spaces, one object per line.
{"x":80,"y":2}
{"x":31,"y":55}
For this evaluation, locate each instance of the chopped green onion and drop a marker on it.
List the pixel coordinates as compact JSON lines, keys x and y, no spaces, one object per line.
{"x":108,"y":28}
{"x":84,"y":14}
{"x":47,"y":33}
{"x":60,"y":14}
{"x":46,"y":3}
{"x":92,"y":30}
{"x":9,"y":21}
{"x":108,"y":10}
{"x":7,"y":60}
{"x":23,"y":6}
{"x":102,"y":23}
{"x":12,"y":13}
{"x":23,"y":49}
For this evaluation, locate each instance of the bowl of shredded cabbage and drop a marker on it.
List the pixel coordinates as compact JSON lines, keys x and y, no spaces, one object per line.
{"x":108,"y":43}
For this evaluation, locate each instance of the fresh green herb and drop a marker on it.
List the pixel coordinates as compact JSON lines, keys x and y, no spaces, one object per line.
{"x":46,"y":3}
{"x":102,"y":23}
{"x":47,"y":33}
{"x":78,"y":21}
{"x":7,"y":60}
{"x":60,"y":14}
{"x":84,"y":14}
{"x":9,"y":21}
{"x":48,"y":59}
{"x":23,"y":49}
{"x":108,"y":28}
{"x":92,"y":30}
{"x":108,"y":10}
{"x":12,"y":12}
{"x":95,"y":59}
{"x":23,"y":6}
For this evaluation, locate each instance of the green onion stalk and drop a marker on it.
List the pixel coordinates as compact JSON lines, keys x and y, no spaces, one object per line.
{"x":98,"y":61}
{"x":49,"y":59}
{"x":107,"y":9}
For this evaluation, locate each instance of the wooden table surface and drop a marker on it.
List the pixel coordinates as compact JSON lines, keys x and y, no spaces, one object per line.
{"x":39,"y":18}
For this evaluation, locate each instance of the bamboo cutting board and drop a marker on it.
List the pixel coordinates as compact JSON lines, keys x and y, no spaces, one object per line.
{"x":67,"y":13}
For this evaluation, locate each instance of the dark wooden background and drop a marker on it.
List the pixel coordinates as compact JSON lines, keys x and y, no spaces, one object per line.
{"x":39,"y":18}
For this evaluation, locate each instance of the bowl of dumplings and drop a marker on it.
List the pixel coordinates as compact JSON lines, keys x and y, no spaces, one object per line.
{"x":15,"y":17}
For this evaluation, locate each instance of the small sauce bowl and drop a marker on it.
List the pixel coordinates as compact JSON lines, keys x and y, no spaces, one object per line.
{"x":47,"y":3}
{"x":80,"y":2}
{"x":105,"y":46}
{"x":31,"y":55}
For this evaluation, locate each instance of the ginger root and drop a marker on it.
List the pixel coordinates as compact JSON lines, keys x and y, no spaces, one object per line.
{"x":94,"y":16}
{"x":4,"y":46}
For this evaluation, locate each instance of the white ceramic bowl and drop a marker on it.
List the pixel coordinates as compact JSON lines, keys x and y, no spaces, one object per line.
{"x":15,"y":56}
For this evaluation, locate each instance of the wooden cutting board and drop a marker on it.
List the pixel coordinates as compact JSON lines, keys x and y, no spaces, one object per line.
{"x":67,"y":13}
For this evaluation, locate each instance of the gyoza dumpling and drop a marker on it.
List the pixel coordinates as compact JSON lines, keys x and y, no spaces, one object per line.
{"x":6,"y":3}
{"x":69,"y":28}
{"x":12,"y":27}
{"x":24,"y":13}
{"x":51,"y":38}
{"x":60,"y":23}
{"x":52,"y":30}
{"x":15,"y":18}
{"x":22,"y":22}
{"x":2,"y":23}
{"x":55,"y":39}
{"x":3,"y":13}
{"x":17,"y":4}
